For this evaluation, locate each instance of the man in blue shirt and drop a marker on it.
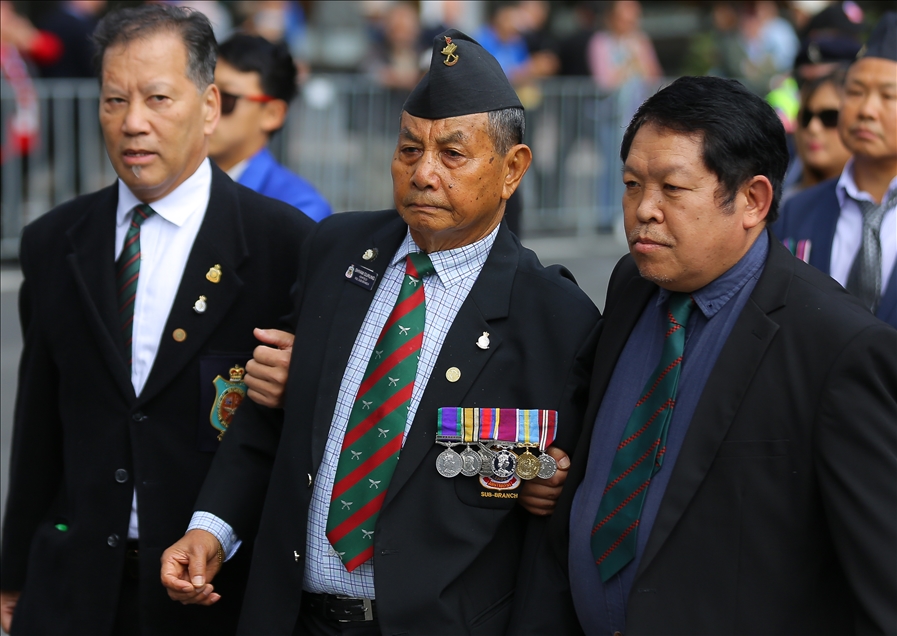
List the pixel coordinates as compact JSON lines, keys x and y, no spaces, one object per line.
{"x":257,"y":80}
{"x":736,"y":468}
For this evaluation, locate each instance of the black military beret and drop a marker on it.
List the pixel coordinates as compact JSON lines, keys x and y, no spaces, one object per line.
{"x":883,"y":41}
{"x":463,"y":79}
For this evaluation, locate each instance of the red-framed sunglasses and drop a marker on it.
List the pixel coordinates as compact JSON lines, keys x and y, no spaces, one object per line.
{"x":229,"y":101}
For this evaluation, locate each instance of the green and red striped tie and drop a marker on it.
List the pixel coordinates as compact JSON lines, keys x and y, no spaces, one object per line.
{"x":127,"y":272}
{"x":376,"y":425}
{"x":640,"y":453}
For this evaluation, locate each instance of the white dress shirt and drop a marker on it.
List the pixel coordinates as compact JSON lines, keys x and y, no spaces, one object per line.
{"x":166,"y":239}
{"x":455,"y":273}
{"x":849,"y":230}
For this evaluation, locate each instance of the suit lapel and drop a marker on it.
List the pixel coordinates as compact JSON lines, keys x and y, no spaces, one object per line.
{"x":352,"y":306}
{"x":93,"y":267}
{"x":488,"y":301}
{"x":824,"y":224}
{"x":722,"y":396}
{"x":220,"y":241}
{"x":887,"y":310}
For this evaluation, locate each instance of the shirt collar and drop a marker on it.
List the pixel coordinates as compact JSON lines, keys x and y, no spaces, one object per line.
{"x":713,"y":296}
{"x":452,"y":266}
{"x":178,"y":205}
{"x":238,"y":169}
{"x":847,"y":187}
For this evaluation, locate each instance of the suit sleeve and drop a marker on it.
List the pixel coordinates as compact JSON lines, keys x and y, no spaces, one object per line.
{"x":856,"y":461}
{"x":35,"y":474}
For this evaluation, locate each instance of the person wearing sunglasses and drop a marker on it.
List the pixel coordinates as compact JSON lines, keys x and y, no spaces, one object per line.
{"x":257,"y":80}
{"x":847,"y":226}
{"x":819,"y":147}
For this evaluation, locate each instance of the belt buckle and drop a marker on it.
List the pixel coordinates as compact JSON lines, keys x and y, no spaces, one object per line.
{"x":366,"y":603}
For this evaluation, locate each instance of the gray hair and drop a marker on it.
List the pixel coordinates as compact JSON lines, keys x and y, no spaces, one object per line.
{"x":126,"y":25}
{"x":506,"y":128}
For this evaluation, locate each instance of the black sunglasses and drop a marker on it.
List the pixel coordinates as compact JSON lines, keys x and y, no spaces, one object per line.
{"x":229,"y":101}
{"x":828,"y":117}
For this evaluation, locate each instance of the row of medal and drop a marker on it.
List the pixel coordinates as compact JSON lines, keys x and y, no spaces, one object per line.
{"x":499,"y":434}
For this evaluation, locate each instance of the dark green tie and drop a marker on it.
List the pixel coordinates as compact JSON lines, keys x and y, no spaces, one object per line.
{"x":640,"y":453}
{"x":127,"y":272}
{"x":376,"y":425}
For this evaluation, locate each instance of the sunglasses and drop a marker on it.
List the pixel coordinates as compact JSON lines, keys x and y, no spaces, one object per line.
{"x":828,"y":118}
{"x":229,"y":101}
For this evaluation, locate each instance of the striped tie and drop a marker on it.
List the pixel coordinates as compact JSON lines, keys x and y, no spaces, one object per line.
{"x":864,"y":279}
{"x":376,"y":425}
{"x":127,"y":272}
{"x":640,"y":453}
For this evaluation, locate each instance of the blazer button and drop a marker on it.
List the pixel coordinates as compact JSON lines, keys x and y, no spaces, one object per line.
{"x":309,"y":480}
{"x":138,"y":416}
{"x":112,"y":540}
{"x":121,"y":475}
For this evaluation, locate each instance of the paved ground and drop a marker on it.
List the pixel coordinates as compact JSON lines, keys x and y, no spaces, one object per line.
{"x":590,"y":260}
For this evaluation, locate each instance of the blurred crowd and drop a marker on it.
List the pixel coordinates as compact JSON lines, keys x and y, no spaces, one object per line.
{"x":791,"y":52}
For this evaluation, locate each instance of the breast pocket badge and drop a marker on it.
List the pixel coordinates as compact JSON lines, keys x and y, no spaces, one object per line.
{"x":229,"y":395}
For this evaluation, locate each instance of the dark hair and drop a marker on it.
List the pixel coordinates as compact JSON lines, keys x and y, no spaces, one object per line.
{"x":741,"y":134}
{"x":506,"y":127}
{"x":273,"y":62}
{"x":810,"y":86}
{"x":126,"y":25}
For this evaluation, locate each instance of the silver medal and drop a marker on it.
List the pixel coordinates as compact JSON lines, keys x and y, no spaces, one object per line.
{"x":448,"y":463}
{"x":504,"y":463}
{"x":549,"y":466}
{"x":486,"y":455}
{"x":470,"y":462}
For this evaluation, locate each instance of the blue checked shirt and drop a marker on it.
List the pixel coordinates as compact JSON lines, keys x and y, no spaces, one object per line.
{"x":445,"y":292}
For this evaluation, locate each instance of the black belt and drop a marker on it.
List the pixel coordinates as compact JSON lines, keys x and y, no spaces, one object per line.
{"x":341,"y":609}
{"x":132,"y":560}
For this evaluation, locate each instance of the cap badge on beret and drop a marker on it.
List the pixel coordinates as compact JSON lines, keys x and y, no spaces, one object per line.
{"x":451,"y":58}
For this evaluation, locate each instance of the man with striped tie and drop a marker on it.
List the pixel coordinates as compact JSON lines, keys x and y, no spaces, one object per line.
{"x":365,"y":525}
{"x":137,"y":309}
{"x":736,"y":471}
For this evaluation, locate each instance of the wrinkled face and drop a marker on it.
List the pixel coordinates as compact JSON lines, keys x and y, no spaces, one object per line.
{"x":819,"y":147}
{"x":868,"y":123}
{"x":448,"y":180}
{"x":240,"y":133}
{"x":679,"y":234}
{"x":155,"y":121}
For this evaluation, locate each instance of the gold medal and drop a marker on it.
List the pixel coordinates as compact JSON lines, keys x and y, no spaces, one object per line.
{"x":214,"y":274}
{"x":528,"y":465}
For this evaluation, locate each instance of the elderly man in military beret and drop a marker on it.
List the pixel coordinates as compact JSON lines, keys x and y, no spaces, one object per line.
{"x":419,"y":331}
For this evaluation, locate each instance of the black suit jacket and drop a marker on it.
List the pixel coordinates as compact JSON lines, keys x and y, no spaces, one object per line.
{"x":445,"y":553}
{"x":780,"y":516}
{"x":83,"y":440}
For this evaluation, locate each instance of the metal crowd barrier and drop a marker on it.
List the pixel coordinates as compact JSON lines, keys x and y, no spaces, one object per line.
{"x":340,"y":135}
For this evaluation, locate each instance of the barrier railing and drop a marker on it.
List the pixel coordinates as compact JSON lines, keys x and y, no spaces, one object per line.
{"x":340,"y":135}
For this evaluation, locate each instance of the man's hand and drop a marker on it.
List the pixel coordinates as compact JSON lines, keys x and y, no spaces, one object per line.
{"x":266,"y":373}
{"x":8,"y":602}
{"x":539,"y":496}
{"x":189,"y":565}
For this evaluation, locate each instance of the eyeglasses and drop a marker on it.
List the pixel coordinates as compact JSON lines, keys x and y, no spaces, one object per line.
{"x":828,"y":117}
{"x":229,"y":101}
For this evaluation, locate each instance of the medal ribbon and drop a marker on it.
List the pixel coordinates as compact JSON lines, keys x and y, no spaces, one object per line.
{"x":506,"y":425}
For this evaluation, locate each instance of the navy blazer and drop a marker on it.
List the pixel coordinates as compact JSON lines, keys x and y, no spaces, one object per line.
{"x":812,"y":215}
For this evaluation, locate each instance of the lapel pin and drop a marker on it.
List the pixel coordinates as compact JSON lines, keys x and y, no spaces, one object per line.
{"x":214,"y":274}
{"x":453,"y":374}
{"x":370,"y":254}
{"x":179,"y":335}
{"x":483,"y":341}
{"x":200,"y":305}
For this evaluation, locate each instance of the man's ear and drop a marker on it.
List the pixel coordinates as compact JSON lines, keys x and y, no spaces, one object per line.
{"x":517,"y":162}
{"x":211,"y":103}
{"x":758,"y":195}
{"x":274,"y":114}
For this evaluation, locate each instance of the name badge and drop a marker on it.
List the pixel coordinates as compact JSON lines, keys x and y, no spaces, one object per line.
{"x":361,"y":276}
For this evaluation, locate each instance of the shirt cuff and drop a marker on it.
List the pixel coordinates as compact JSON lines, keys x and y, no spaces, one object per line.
{"x":222,"y":531}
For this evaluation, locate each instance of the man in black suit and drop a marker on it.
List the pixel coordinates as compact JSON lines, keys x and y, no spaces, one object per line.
{"x":751,"y":489}
{"x":440,"y":553}
{"x":137,"y":311}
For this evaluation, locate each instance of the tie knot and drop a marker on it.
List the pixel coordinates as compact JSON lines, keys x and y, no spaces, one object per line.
{"x":419,"y":265}
{"x":142,"y":212}
{"x":680,"y":306}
